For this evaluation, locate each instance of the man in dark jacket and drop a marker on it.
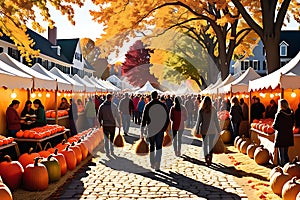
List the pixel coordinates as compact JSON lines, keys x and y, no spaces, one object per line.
{"x":73,"y":116}
{"x":109,"y":118}
{"x":189,"y":105}
{"x":156,"y":118}
{"x":257,"y":109}
{"x":126,"y":108}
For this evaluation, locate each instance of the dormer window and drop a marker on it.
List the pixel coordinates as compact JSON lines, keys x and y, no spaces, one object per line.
{"x":58,"y":48}
{"x":283,"y":48}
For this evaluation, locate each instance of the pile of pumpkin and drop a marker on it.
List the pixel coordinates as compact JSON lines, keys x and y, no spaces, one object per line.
{"x":40,"y":132}
{"x":5,"y":140}
{"x":257,"y":152}
{"x":285,"y":181}
{"x":60,"y":113}
{"x":36,"y":170}
{"x":264,"y":125}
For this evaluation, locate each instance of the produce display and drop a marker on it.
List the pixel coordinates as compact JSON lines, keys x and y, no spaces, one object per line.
{"x":5,"y":140}
{"x":264,"y":125}
{"x":5,"y":193}
{"x":60,"y":113}
{"x":223,"y":115}
{"x":40,"y":132}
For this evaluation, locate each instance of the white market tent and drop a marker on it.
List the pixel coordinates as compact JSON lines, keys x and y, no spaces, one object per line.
{"x":98,"y":87}
{"x":205,"y":91}
{"x":76,"y":87}
{"x":218,"y":82}
{"x":115,"y":80}
{"x":13,"y":78}
{"x":88,"y":87}
{"x":108,"y":85}
{"x":101,"y":84}
{"x":226,"y":81}
{"x":287,"y":77}
{"x":62,"y":85}
{"x":39,"y":80}
{"x":147,"y":88}
{"x":241,"y":83}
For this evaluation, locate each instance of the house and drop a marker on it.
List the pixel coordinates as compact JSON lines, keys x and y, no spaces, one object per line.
{"x":288,"y":48}
{"x":50,"y":53}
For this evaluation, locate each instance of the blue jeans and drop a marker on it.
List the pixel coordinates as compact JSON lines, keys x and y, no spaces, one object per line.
{"x":126,"y":122}
{"x":283,"y":156}
{"x":235,"y":129}
{"x":208,"y":144}
{"x":156,"y":142}
{"x":90,"y":122}
{"x":189,"y":120}
{"x":177,"y":140}
{"x":12,"y":133}
{"x":109,"y":136}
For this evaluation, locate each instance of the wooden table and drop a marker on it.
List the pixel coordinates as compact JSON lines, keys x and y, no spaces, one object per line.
{"x":40,"y":141}
{"x":13,"y":144}
{"x":267,"y":140}
{"x":62,"y":121}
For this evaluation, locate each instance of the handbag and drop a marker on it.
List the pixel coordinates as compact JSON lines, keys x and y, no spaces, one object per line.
{"x":219,"y":147}
{"x":119,"y":140}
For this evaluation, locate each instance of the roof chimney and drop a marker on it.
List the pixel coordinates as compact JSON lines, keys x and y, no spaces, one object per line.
{"x":52,"y":35}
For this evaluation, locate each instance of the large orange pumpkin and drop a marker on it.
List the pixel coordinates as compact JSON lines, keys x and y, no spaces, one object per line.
{"x":35,"y":176}
{"x":244,"y":145}
{"x":83,"y":149}
{"x":61,"y":160}
{"x":28,"y":158}
{"x":226,"y":136}
{"x":45,"y":153}
{"x":291,"y":189}
{"x":251,"y":149}
{"x":11,"y":172}
{"x":77,"y":152}
{"x":261,"y":155}
{"x":278,"y":180}
{"x":5,"y":193}
{"x":61,"y":146}
{"x":70,"y":157}
{"x":293,"y":168}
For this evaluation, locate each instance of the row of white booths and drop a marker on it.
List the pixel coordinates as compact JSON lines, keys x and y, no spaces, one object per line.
{"x":21,"y":82}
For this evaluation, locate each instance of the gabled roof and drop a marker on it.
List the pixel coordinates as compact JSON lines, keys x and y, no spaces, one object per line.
{"x":292,"y":38}
{"x":68,"y":47}
{"x":42,"y":44}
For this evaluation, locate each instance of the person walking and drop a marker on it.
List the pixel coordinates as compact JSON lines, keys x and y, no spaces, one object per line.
{"x":208,"y":126}
{"x":189,"y":105}
{"x":257,"y":109}
{"x":236,"y":117}
{"x":178,"y":115}
{"x":126,"y":109}
{"x":109,"y":118}
{"x":90,"y":112}
{"x":284,"y":138}
{"x":245,"y":109}
{"x":73,"y":116}
{"x":141,"y":107}
{"x":156,"y":120}
{"x":136,"y":101}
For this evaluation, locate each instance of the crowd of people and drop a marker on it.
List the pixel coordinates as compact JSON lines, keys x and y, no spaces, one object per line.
{"x":157,"y":114}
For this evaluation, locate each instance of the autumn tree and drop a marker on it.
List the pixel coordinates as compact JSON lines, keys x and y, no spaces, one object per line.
{"x":136,"y":65}
{"x":16,"y":15}
{"x":219,"y":19}
{"x":272,"y":14}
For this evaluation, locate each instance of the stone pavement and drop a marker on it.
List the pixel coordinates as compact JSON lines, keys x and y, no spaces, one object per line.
{"x":129,"y":176}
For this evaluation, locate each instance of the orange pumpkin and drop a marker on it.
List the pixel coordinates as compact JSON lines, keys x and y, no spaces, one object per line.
{"x":70,"y":157}
{"x":61,"y":146}
{"x":278,"y":180}
{"x":5,"y":193}
{"x":45,"y":153}
{"x":83,"y":149}
{"x":77,"y":152}
{"x":35,"y":176}
{"x":291,"y":189}
{"x":261,"y":155}
{"x":244,"y":145}
{"x":28,"y":158}
{"x":293,"y":168}
{"x":61,"y":160}
{"x":251,"y":149}
{"x":20,"y":134}
{"x":11,"y":172}
{"x":53,"y":114}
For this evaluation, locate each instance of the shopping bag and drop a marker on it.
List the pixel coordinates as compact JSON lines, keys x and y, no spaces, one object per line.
{"x":195,"y":134}
{"x":142,"y":147}
{"x":167,"y":140}
{"x":119,"y":140}
{"x":219,"y":146}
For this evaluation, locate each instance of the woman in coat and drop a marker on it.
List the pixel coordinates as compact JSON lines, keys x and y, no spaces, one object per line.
{"x":13,"y":120}
{"x":40,"y":114}
{"x":208,"y":126}
{"x":284,"y":138}
{"x":178,"y":115}
{"x":236,"y":116}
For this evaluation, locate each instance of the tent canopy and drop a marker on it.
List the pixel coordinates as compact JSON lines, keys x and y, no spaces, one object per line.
{"x":218,"y":82}
{"x":286,"y":77}
{"x":147,"y":88}
{"x":76,"y":87}
{"x":206,"y":89}
{"x":61,"y":83}
{"x":226,"y":81}
{"x":40,"y":81}
{"x":101,"y":84}
{"x":108,"y":84}
{"x":241,"y":83}
{"x":98,"y":87}
{"x":13,"y":78}
{"x":88,"y":87}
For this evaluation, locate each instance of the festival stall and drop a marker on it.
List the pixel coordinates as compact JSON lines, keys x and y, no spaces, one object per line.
{"x":209,"y":90}
{"x":98,"y":87}
{"x":283,"y":83}
{"x":147,"y":88}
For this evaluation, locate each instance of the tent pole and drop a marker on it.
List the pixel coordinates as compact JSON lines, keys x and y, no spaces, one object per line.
{"x":28,"y":94}
{"x":249,"y":107}
{"x":55,"y":102}
{"x":282,"y":93}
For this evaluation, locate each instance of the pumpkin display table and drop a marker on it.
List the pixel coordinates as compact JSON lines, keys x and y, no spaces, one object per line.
{"x":267,"y":140}
{"x":7,"y":147}
{"x":62,"y":121}
{"x":53,"y":139}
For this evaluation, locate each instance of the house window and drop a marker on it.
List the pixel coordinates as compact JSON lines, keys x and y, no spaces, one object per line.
{"x":1,"y":49}
{"x":78,"y":56}
{"x":246,"y":64}
{"x":256,"y":65}
{"x":283,"y":50}
{"x":264,"y":65}
{"x":14,"y":53}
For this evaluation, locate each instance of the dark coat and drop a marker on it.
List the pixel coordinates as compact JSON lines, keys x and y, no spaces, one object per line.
{"x":271,"y":111}
{"x":297,"y":117}
{"x":283,"y":123}
{"x":257,"y":110}
{"x":236,"y":114}
{"x":207,"y":123}
{"x":12,"y":119}
{"x":108,"y":115}
{"x":177,"y":118}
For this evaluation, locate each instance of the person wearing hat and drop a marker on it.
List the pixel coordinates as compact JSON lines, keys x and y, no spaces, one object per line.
{"x":13,"y":120}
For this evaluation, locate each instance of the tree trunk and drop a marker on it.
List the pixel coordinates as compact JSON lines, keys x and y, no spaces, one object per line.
{"x":271,"y":46}
{"x":201,"y":86}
